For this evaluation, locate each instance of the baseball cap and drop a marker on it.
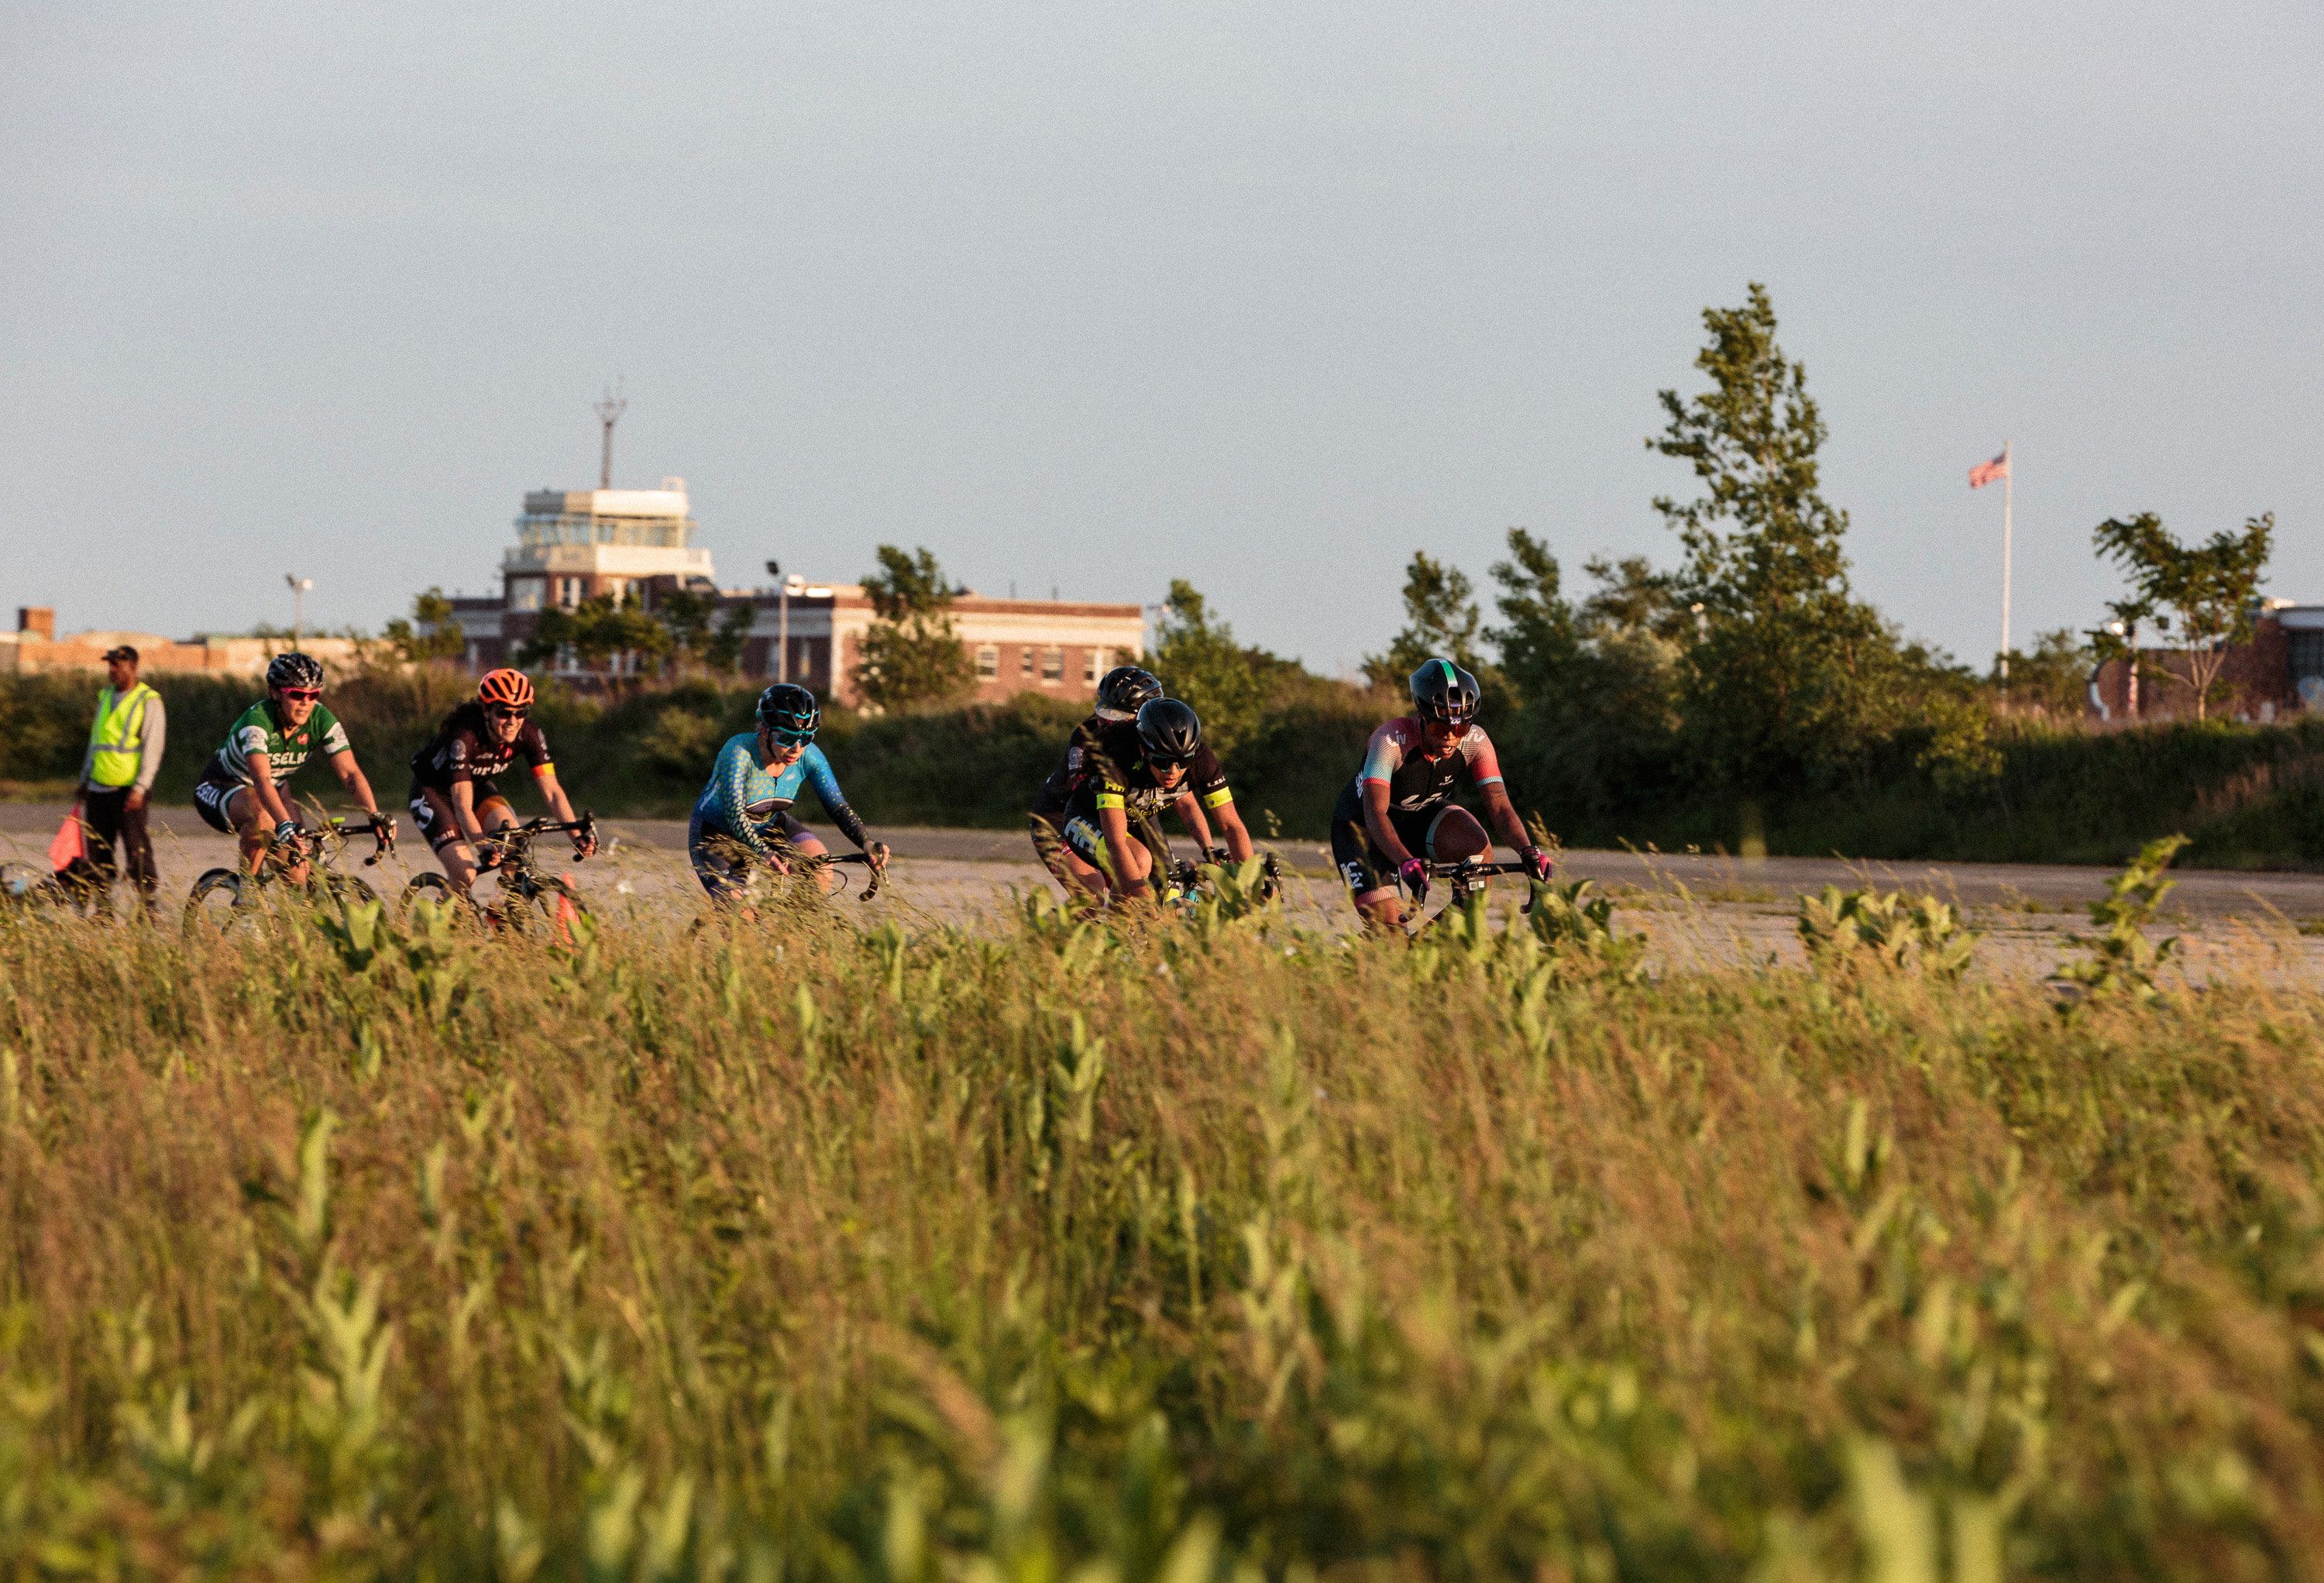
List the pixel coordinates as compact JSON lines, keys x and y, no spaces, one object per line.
{"x":122,"y":652}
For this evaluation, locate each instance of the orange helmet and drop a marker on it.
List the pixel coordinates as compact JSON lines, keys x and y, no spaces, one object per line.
{"x":511,"y":690}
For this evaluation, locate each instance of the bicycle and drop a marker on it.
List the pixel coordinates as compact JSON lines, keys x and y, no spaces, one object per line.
{"x":27,"y":888}
{"x":1464,"y":879}
{"x":226,"y":896}
{"x":524,"y":889}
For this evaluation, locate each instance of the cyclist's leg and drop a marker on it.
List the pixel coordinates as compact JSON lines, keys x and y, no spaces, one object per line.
{"x":431,"y":815}
{"x":1091,"y":864}
{"x":807,"y":844}
{"x":239,"y":805}
{"x":1049,"y":847}
{"x":1369,"y":876}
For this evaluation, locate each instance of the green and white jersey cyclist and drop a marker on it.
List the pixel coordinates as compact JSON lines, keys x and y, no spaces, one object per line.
{"x":240,"y":792}
{"x":1138,"y":770}
{"x":742,"y":821}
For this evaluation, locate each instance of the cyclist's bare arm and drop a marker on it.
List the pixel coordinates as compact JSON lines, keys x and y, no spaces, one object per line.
{"x":270,"y":797}
{"x":1231,"y":825}
{"x":559,"y":805}
{"x":1113,"y":824}
{"x":1189,"y":809}
{"x":1503,"y":814}
{"x":351,"y":776}
{"x":1377,"y":825}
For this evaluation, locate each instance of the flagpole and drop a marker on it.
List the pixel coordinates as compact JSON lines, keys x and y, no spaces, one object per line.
{"x":2008,"y":480}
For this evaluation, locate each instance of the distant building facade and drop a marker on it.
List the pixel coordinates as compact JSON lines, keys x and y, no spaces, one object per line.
{"x":34,"y":647}
{"x":2279,"y":672}
{"x":579,"y":544}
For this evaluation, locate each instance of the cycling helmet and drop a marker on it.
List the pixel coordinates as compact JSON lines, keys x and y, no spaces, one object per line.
{"x":1168,"y":730}
{"x":1443,"y":693}
{"x":510,"y":689}
{"x":1125,"y":691}
{"x":790,"y":712}
{"x":294,"y":670}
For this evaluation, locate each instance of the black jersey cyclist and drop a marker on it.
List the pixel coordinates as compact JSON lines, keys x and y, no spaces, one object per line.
{"x":1139,"y":769}
{"x":743,"y":817}
{"x":1411,"y":768}
{"x":1125,"y":690}
{"x":455,"y":800}
{"x":239,"y":793}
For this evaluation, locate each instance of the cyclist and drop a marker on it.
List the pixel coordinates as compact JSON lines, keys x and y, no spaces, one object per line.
{"x":744,"y":815}
{"x":454,"y":804}
{"x":240,"y":791}
{"x":1159,"y":760}
{"x":1410,"y":768}
{"x":1119,"y":696}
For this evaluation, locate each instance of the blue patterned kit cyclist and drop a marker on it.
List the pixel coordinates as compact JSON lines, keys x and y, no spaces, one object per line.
{"x":745,"y":812}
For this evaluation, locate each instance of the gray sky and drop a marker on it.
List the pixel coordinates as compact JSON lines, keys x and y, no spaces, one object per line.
{"x":1265,"y":296}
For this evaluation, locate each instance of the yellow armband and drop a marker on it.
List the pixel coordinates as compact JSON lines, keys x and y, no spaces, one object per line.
{"x":1213,"y":799}
{"x":1106,"y":799}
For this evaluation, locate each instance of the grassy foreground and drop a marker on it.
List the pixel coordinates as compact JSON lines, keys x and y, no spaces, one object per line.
{"x":1047,"y":1253}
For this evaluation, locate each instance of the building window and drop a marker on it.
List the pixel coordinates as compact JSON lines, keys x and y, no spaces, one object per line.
{"x":524,"y":593}
{"x":988,"y":662}
{"x":1092,"y":665}
{"x":568,"y":591}
{"x":1053,"y":665}
{"x":1025,"y":663}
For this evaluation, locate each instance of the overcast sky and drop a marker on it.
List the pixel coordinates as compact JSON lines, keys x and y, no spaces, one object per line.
{"x":1266,"y":296}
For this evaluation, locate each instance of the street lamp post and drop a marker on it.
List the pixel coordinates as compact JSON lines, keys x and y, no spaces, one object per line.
{"x":298,"y":587}
{"x":782,"y":622}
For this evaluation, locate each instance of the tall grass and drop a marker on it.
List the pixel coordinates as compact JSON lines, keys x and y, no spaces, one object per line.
{"x":1042,"y":1251}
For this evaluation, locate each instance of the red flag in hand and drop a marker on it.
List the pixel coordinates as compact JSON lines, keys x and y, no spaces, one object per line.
{"x":68,"y":849}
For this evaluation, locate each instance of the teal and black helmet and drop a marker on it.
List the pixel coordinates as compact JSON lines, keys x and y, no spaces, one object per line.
{"x":1443,"y":693}
{"x":790,"y":712}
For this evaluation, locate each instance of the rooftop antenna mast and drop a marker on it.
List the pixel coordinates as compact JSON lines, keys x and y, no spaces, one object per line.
{"x":609,"y":412}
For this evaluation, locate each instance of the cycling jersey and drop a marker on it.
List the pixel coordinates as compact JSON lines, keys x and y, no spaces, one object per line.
{"x":746,"y":804}
{"x":1116,"y":776}
{"x":1051,"y":800}
{"x":464,"y":748}
{"x":287,"y":750}
{"x":1397,"y":758}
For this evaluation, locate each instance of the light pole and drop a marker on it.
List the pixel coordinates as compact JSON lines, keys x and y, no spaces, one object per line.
{"x":2128,"y":632}
{"x":784,"y":588}
{"x":298,"y":587}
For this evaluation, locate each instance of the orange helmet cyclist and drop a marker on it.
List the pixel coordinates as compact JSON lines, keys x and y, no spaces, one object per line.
{"x":511,"y":690}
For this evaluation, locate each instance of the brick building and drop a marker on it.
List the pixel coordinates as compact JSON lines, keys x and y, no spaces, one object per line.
{"x":34,"y":647}
{"x":577,"y":545}
{"x":2279,"y":673}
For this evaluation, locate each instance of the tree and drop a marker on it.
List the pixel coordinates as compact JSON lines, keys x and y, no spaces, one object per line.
{"x":685,"y":614}
{"x":430,"y":634}
{"x":1783,"y":679}
{"x":2053,"y":680}
{"x":724,"y":649}
{"x":1440,"y":617}
{"x":1199,"y":661}
{"x":595,"y":630}
{"x":912,"y":654}
{"x":1540,"y":646}
{"x":1633,"y":597}
{"x":2205,"y":595}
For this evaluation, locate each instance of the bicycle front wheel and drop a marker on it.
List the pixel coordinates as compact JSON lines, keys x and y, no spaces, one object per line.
{"x":217,"y":901}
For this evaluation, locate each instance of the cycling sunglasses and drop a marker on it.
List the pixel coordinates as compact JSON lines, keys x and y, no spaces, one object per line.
{"x":1167,"y":764}
{"x":308,"y":694}
{"x":791,"y":739}
{"x":503,"y":712}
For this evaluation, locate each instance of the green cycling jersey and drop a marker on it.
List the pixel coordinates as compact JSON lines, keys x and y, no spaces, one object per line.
{"x":287,"y":750}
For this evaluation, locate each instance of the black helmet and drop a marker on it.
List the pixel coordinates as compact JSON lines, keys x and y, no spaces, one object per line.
{"x":790,"y":710}
{"x":1443,"y":693}
{"x":294,"y":670}
{"x":1125,"y":691}
{"x":1169,"y":730}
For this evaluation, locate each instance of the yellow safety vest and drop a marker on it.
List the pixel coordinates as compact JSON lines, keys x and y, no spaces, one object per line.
{"x":119,"y":735}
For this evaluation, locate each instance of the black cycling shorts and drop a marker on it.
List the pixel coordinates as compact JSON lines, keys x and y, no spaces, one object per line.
{"x":441,"y":831}
{"x":210,"y":797}
{"x":1363,"y":866}
{"x":1087,"y":842}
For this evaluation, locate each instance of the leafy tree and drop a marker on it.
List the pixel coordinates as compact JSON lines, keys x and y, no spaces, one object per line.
{"x":1633,"y":597}
{"x":723,"y":650}
{"x":595,"y":630}
{"x":2053,"y":680}
{"x":685,"y":614}
{"x":2205,"y":596}
{"x":430,"y":634}
{"x":1540,"y":645}
{"x":1784,"y":678}
{"x":1198,"y":660}
{"x":1441,"y":617}
{"x":912,"y":654}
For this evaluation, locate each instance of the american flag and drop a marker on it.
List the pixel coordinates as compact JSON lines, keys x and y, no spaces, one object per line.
{"x":1985,"y":473}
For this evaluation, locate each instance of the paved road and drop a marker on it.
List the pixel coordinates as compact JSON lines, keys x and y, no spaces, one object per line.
{"x":1693,"y":909}
{"x":2030,"y":888}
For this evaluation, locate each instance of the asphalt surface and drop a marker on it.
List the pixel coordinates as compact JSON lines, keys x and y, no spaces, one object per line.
{"x":1694,"y":909}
